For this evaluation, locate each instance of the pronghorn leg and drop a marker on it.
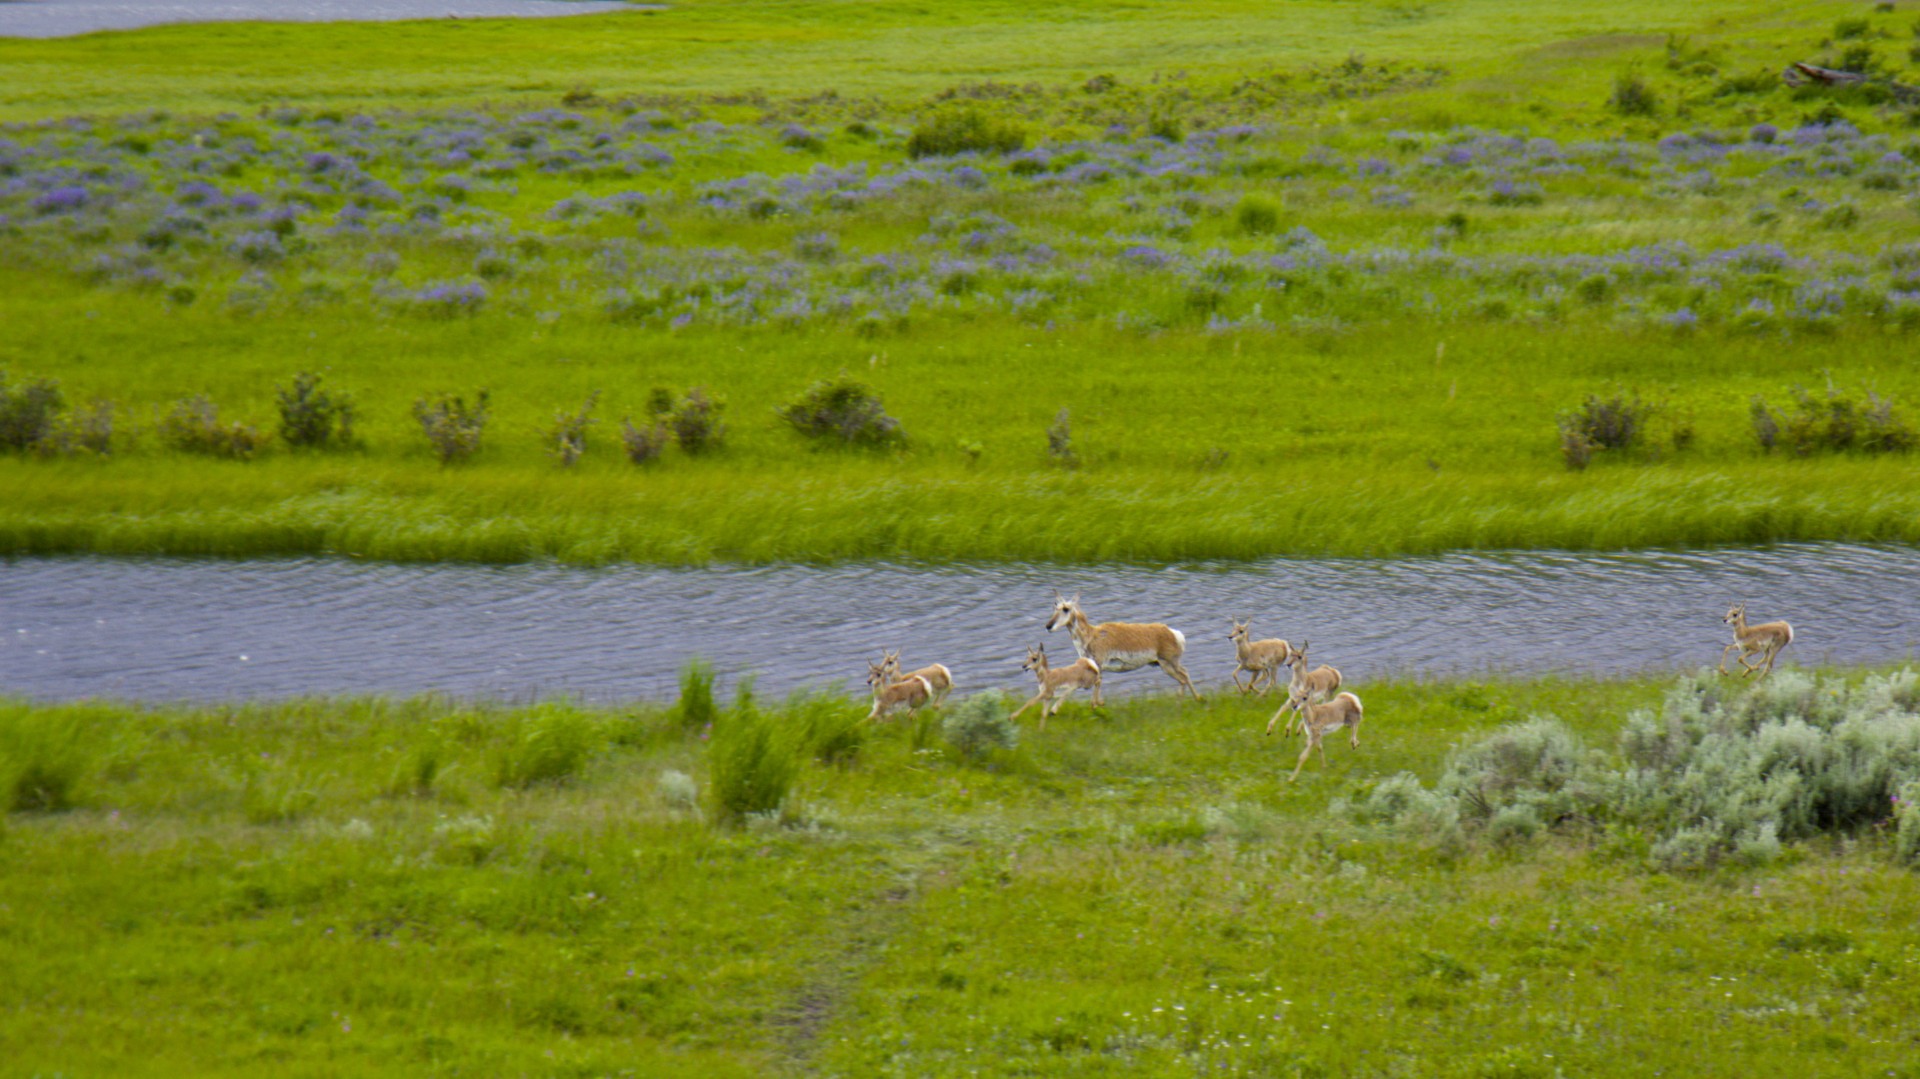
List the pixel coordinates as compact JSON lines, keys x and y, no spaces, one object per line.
{"x":1236,"y":680}
{"x":1723,"y":656}
{"x":1302,"y":762}
{"x":1772,"y":654}
{"x":1276,"y":718}
{"x":1179,"y":674}
{"x":1029,"y":704}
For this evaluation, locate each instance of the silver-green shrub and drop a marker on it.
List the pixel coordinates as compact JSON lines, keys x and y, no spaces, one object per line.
{"x":979,"y":723}
{"x":1711,"y":776}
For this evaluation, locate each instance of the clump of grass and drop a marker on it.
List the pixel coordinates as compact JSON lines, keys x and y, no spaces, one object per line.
{"x":28,"y":411}
{"x":843,"y":410}
{"x":567,"y":438}
{"x":1615,"y":423}
{"x":548,"y":745}
{"x":452,"y":426}
{"x":193,"y":426}
{"x":965,"y":131}
{"x":695,"y":709}
{"x":45,"y":756}
{"x":1837,"y":424}
{"x":278,"y":797}
{"x":979,"y":724}
{"x":312,"y":417}
{"x":753,"y":760}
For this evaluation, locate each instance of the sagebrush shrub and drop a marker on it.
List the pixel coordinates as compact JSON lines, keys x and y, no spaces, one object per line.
{"x":1613,"y":423}
{"x":696,"y":422}
{"x":567,"y":438}
{"x":1632,"y":96}
{"x":843,"y":410}
{"x":965,"y":131}
{"x":85,"y":430}
{"x":1060,"y":440}
{"x":979,"y":723}
{"x":1836,"y":424}
{"x":314,"y":417}
{"x":193,"y":426}
{"x":452,"y":426}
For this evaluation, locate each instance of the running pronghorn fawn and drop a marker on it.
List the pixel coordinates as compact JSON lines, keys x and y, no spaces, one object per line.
{"x":891,"y":696}
{"x":1765,"y":640}
{"x":1122,"y":646}
{"x":937,"y":675}
{"x":1057,"y":685}
{"x":1305,"y":685}
{"x":1320,"y":720}
{"x":1262,"y":658}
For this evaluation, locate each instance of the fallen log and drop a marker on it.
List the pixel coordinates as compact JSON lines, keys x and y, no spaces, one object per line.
{"x":1801,"y":74}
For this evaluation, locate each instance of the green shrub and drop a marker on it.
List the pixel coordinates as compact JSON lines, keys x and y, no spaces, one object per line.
{"x":843,"y":410}
{"x":452,"y":426}
{"x":550,"y":744}
{"x":27,"y":412}
{"x":1615,"y":423}
{"x":567,"y":438}
{"x":753,"y":761}
{"x":1257,"y":216}
{"x":1632,"y":96}
{"x":85,"y":430}
{"x":981,"y":723}
{"x":193,"y":426}
{"x":45,"y":756}
{"x":312,"y":417}
{"x":1838,"y":424}
{"x":696,"y":422}
{"x":965,"y":131}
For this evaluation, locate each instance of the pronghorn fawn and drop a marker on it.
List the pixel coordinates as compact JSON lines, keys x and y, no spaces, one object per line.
{"x":936,"y":674}
{"x":1320,"y":720}
{"x":1263,"y":659}
{"x":891,"y":696}
{"x":1304,"y":685}
{"x":1056,"y":685}
{"x":1764,"y":640}
{"x":1122,"y":646}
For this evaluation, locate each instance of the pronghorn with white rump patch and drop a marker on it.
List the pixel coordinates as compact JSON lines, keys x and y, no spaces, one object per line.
{"x":1262,"y":658}
{"x":936,"y":674}
{"x":1766,"y":640}
{"x":1320,"y":720}
{"x":1122,"y":646}
{"x":890,"y":696}
{"x":1057,"y":685}
{"x":1318,"y":683}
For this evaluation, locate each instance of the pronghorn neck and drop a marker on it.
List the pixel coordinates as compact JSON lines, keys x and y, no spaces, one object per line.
{"x":1079,"y":627}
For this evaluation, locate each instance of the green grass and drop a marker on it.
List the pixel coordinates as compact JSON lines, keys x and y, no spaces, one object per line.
{"x":1229,"y":395}
{"x":1137,"y":891}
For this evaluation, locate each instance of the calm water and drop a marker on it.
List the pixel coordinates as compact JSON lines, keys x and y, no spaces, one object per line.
{"x":189,"y":630}
{"x":60,"y":18}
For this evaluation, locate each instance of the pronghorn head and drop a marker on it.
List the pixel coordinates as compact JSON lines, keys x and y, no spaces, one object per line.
{"x":1735,"y":613}
{"x":1239,"y":629}
{"x":1036,"y":659}
{"x":1297,"y":698}
{"x":1296,"y":655}
{"x":876,"y":675}
{"x":890,"y":660}
{"x":1064,"y":613}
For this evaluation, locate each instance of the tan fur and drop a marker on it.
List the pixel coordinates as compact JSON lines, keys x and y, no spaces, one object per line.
{"x":1260,"y":658}
{"x":1320,"y":720}
{"x":1765,"y":640}
{"x":891,"y":696}
{"x":937,"y":675}
{"x":1309,"y":686}
{"x":1057,"y":685}
{"x":1123,"y":646}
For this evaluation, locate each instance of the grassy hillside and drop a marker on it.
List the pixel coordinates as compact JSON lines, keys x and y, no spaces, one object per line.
{"x":407,"y":887}
{"x":1370,"y":299}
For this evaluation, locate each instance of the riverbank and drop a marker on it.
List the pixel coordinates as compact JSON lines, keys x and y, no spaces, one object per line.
{"x":383,"y":886}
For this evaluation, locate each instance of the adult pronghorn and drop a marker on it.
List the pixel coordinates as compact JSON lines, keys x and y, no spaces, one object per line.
{"x":1320,"y":720}
{"x":1304,"y":684}
{"x":1122,"y":646}
{"x":936,"y":674}
{"x":891,"y":696}
{"x":1057,"y":685}
{"x":1261,"y":658}
{"x":1766,"y":639}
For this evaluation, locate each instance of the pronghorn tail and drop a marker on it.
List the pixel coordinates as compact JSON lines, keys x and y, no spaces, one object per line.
{"x":1180,"y":639}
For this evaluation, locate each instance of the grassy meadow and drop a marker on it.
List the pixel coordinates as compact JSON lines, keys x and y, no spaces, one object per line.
{"x":1227,"y":283}
{"x":362,"y":887}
